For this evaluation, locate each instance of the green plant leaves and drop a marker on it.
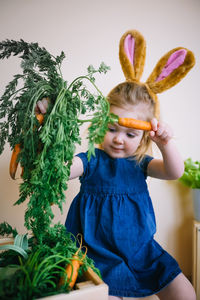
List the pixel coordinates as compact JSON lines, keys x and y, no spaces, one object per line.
{"x":191,"y":176}
{"x":47,"y":151}
{"x":20,"y":245}
{"x":46,"y":156}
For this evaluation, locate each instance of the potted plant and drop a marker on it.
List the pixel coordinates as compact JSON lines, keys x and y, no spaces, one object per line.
{"x":191,"y":178}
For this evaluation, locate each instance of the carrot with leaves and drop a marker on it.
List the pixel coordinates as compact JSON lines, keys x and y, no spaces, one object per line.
{"x":72,"y":269}
{"x":16,"y":151}
{"x":47,"y":171}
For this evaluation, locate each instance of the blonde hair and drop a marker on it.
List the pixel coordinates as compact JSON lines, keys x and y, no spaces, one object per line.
{"x":134,"y":93}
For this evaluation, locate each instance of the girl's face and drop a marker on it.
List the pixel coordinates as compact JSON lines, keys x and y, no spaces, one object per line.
{"x":120,"y":141}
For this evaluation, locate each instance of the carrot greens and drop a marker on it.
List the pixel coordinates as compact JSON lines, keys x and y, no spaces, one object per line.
{"x":47,"y":148}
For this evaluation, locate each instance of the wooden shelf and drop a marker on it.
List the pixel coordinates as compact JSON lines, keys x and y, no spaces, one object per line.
{"x":196,"y":258}
{"x":92,"y":288}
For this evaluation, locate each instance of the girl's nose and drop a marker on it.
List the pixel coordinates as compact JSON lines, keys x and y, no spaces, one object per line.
{"x":118,"y":139}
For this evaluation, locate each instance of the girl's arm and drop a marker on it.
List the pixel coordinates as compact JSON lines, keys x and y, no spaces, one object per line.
{"x":172,"y":165}
{"x":76,"y":169}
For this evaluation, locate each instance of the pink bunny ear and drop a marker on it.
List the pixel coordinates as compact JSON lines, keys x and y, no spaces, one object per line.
{"x":170,"y":69}
{"x":132,"y":54}
{"x":175,"y":60}
{"x":129,"y":45}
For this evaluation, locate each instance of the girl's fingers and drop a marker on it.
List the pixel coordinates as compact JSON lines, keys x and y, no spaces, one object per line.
{"x":152,"y":133}
{"x":161,"y":133}
{"x":42,"y":106}
{"x":164,"y":135}
{"x":154,"y":124}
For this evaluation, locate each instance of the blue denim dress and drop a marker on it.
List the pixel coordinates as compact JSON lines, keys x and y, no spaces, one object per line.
{"x":114,"y":212}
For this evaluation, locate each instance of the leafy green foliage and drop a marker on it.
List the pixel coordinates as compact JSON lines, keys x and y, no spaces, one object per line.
{"x":35,"y":276}
{"x":39,"y":275}
{"x":191,"y":175}
{"x":7,"y":230}
{"x":48,"y":150}
{"x":46,"y":155}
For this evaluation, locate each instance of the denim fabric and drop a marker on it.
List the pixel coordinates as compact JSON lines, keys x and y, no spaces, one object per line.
{"x":114,"y":212}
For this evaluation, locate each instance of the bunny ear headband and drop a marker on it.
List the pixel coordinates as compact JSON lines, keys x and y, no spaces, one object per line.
{"x":169,"y":70}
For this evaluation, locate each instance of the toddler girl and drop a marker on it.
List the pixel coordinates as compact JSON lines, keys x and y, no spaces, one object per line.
{"x":113,"y":210}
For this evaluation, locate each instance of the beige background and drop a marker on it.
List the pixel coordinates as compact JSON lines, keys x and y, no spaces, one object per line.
{"x":88,"y":31}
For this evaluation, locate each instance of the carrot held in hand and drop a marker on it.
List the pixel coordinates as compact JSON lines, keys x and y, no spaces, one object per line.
{"x":133,"y":123}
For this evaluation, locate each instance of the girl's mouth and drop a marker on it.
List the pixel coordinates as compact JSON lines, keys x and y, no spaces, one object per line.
{"x":116,"y":149}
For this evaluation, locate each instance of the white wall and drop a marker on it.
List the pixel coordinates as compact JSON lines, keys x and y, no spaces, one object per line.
{"x":88,"y":31}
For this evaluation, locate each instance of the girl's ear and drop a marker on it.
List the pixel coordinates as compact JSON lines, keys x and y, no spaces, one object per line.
{"x":170,"y":69}
{"x":132,"y":53}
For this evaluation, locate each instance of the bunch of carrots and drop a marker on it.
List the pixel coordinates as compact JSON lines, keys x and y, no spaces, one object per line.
{"x":126,"y":122}
{"x":71,"y":269}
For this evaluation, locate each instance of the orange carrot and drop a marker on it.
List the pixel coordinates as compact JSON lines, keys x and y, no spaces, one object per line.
{"x":71,"y":271}
{"x":14,"y":160}
{"x":16,"y":151}
{"x":133,"y":123}
{"x":40,"y":118}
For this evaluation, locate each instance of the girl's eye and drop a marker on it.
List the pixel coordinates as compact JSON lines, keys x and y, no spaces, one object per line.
{"x":130,"y":135}
{"x":111,"y":129}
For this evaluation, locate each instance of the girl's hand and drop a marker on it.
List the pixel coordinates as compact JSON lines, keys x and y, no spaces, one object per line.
{"x":41,"y":106}
{"x":161,"y":133}
{"x":171,"y":166}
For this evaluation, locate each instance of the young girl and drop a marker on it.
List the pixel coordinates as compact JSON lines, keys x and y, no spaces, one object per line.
{"x":113,"y":210}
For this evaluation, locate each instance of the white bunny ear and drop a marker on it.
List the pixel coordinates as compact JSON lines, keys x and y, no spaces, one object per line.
{"x":132,"y":53}
{"x":170,"y":69}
